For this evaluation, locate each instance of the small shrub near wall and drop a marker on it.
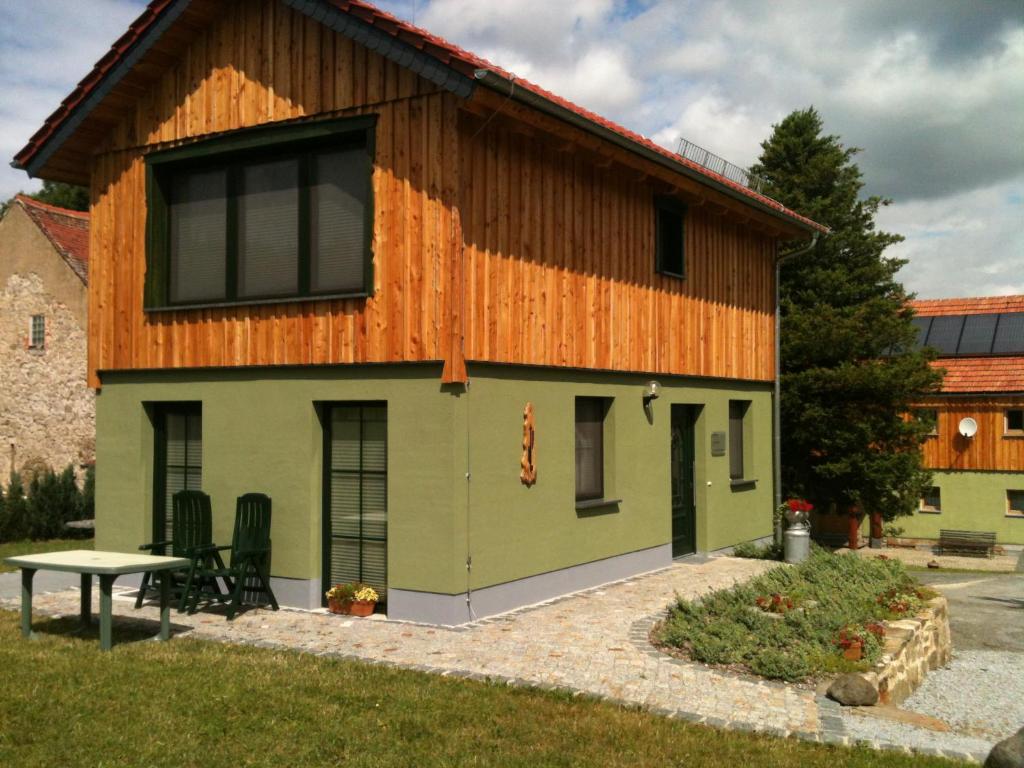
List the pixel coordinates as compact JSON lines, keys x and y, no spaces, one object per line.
{"x":50,"y":501}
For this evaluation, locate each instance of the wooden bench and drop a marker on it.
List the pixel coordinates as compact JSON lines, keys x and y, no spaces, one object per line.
{"x":967,"y":542}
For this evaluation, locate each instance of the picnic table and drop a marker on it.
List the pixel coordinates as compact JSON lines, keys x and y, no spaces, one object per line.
{"x":107,"y":566}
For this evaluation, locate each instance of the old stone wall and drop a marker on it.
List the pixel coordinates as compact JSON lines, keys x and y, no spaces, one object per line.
{"x":47,"y":412}
{"x":913,"y":646}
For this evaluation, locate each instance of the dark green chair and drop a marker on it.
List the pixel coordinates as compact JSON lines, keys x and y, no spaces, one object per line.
{"x":191,"y":532}
{"x":249,"y":571}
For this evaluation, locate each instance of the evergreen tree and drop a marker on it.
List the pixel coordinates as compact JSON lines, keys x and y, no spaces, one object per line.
{"x":63,"y":195}
{"x":849,"y":371}
{"x":17,"y":526}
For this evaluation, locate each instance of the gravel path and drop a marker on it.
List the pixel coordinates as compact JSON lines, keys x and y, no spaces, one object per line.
{"x":866,"y":728}
{"x":980,"y":692}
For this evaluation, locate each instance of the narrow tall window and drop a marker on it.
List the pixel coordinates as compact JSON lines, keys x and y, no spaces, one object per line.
{"x":737,"y":416}
{"x":1015,"y":422}
{"x":37,"y":332}
{"x":590,"y":413}
{"x":670,"y":256}
{"x":179,"y":460}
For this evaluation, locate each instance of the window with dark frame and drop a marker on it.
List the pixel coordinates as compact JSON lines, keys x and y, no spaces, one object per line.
{"x":590,"y":416}
{"x":670,"y":249}
{"x":932,"y":500}
{"x":737,"y":416}
{"x":37,"y":332}
{"x":179,"y":460}
{"x":1015,"y":503}
{"x":279,"y":214}
{"x":1014,"y":422}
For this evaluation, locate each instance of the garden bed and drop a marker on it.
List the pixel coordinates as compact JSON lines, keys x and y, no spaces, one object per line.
{"x":796,"y":623}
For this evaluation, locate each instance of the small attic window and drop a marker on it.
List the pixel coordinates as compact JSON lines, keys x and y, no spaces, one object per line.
{"x":669,"y":222}
{"x":37,"y":332}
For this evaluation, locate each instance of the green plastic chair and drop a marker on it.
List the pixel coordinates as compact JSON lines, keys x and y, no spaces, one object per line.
{"x":249,"y":571}
{"x":191,"y":537}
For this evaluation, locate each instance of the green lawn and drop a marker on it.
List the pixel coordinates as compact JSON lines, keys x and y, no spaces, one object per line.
{"x":193,"y":703}
{"x":26,"y":547}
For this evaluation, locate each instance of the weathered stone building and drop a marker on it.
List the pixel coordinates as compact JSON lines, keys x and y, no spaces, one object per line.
{"x":47,"y":412}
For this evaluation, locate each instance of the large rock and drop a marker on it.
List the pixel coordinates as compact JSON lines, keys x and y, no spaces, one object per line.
{"x":1008,"y":753}
{"x":852,"y":690}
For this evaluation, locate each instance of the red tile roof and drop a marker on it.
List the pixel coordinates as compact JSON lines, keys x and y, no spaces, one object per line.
{"x":463,"y":61}
{"x":981,"y":374}
{"x":984,"y":305}
{"x":68,"y":231}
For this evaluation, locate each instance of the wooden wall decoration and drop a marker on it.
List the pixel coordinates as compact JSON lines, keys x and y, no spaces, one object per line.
{"x":528,"y":463}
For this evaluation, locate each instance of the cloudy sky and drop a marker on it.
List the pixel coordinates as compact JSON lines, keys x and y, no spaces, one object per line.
{"x":932,"y":90}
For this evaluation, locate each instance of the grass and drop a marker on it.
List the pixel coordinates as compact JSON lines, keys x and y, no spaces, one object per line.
{"x":26,"y":547}
{"x":827,"y":595}
{"x":193,"y":703}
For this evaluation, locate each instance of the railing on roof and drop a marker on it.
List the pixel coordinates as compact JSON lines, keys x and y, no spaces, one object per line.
{"x":719,"y":165}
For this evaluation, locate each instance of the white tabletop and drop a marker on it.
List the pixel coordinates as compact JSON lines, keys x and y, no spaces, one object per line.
{"x":97,"y":562}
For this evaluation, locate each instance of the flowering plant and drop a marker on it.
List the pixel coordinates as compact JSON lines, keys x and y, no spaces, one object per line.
{"x":367,"y":595}
{"x":799,"y":505}
{"x":899,"y":601}
{"x":341,"y":592}
{"x":775,"y":603}
{"x":797,"y":511}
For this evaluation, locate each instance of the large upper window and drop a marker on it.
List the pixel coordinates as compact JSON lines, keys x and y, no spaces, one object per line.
{"x":270,"y":214}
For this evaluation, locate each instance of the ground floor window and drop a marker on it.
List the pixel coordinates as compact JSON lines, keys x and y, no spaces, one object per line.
{"x":590,"y":414}
{"x":355,"y":495}
{"x":931,"y":501}
{"x":738,"y":410}
{"x":1015,"y":503}
{"x":178,"y":459}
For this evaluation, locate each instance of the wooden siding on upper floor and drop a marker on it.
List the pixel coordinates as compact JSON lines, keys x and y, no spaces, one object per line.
{"x":990,"y":449}
{"x":507,"y":247}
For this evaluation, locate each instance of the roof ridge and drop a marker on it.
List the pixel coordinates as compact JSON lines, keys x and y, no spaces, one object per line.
{"x":24,"y":199}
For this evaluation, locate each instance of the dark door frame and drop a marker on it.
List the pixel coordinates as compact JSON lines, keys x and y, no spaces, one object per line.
{"x":159,"y":415}
{"x":688,"y":413}
{"x":325,"y":409}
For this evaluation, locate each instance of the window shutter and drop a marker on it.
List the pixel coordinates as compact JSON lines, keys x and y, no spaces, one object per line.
{"x":589,"y":448}
{"x":338,"y":203}
{"x":268,"y":229}
{"x":198,"y":235}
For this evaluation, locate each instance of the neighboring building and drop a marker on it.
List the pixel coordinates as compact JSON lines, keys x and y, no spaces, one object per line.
{"x":47,"y":410}
{"x":978,"y":480}
{"x":355,"y":306}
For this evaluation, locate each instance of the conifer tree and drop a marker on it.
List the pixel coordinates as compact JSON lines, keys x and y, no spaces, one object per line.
{"x":849,"y":370}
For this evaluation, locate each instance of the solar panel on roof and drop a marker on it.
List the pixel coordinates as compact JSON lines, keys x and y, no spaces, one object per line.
{"x":977,"y":335}
{"x":922,"y":324}
{"x":945,"y":333}
{"x":1009,"y":334}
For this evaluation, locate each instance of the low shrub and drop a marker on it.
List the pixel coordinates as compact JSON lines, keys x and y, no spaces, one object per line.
{"x":753,"y":551}
{"x":798,"y":636}
{"x":50,"y":501}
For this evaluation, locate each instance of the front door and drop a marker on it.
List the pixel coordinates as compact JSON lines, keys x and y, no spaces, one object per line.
{"x":684,"y":507}
{"x":355,"y":532}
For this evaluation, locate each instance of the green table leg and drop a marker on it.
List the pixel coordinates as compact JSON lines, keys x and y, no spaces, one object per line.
{"x":106,"y":583}
{"x":165,"y":606}
{"x":86,"y":600}
{"x":26,"y":601}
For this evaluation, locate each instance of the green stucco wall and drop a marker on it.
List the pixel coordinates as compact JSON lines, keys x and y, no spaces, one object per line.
{"x":971,"y":501}
{"x":261,"y":432}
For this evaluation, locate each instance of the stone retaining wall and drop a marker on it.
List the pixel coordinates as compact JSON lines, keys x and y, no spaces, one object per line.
{"x":913,"y":646}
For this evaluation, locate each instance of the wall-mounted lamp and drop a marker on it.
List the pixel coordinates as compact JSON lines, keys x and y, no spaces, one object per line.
{"x":651,"y":392}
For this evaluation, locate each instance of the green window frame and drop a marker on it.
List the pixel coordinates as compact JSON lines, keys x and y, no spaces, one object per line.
{"x":232,"y":155}
{"x":670,"y":237}
{"x":177,"y":458}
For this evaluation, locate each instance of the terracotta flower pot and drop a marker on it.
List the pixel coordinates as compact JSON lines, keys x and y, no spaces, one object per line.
{"x":339,"y":606}
{"x":362,"y":607}
{"x":854,"y":651}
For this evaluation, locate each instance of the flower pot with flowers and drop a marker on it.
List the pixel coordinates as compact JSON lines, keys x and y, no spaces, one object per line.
{"x":339,"y":598}
{"x":364,"y":601}
{"x":797,"y":544}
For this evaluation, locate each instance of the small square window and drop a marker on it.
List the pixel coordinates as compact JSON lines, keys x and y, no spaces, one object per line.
{"x":1015,"y":422}
{"x":1015,"y":503}
{"x":932,"y":500}
{"x":670,"y":250}
{"x":37,"y":332}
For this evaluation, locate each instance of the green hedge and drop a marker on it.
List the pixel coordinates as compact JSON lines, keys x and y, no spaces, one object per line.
{"x":830,"y":594}
{"x":40,"y":511}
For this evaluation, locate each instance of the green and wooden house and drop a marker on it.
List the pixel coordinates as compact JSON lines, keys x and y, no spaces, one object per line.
{"x":419,"y":302}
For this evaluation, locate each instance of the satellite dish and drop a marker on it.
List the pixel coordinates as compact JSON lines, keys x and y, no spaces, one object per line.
{"x":968,"y":427}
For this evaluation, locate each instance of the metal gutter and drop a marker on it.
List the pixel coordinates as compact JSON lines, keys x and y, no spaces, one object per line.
{"x":507,"y":87}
